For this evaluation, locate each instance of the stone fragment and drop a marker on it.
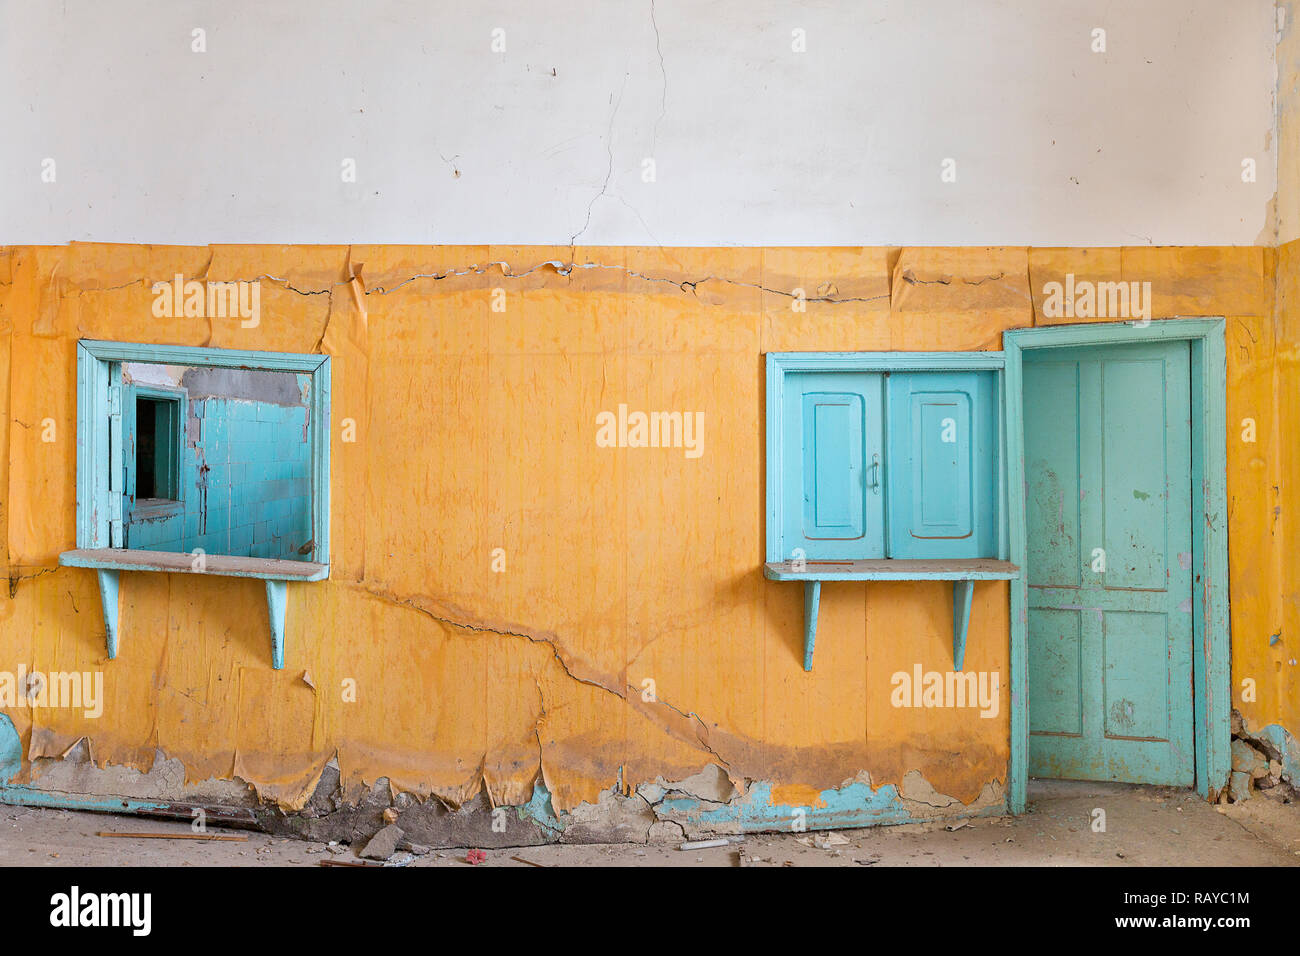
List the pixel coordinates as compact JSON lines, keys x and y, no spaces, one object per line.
{"x":383,"y":844}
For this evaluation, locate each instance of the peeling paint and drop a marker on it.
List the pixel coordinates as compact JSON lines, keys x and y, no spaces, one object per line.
{"x":523,"y":690}
{"x":1282,"y":746}
{"x":539,"y":809}
{"x":855,"y":804}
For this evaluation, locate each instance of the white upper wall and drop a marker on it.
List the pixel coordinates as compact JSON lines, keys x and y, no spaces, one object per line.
{"x":1288,"y":122}
{"x":752,"y":143}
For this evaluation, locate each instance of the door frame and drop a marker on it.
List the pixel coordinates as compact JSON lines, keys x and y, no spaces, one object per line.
{"x":1210,"y":623}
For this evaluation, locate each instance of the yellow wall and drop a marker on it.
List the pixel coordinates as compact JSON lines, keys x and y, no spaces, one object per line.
{"x":1274,"y":487}
{"x":475,"y":431}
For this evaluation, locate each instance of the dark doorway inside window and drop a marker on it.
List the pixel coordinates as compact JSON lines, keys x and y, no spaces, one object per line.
{"x":145,"y":463}
{"x":157,"y":440}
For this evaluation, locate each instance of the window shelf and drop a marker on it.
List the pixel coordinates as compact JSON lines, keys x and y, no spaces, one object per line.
{"x":109,"y":562}
{"x":963,"y":573}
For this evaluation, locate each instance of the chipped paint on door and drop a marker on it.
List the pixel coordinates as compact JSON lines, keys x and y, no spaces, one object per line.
{"x":1108,"y":459}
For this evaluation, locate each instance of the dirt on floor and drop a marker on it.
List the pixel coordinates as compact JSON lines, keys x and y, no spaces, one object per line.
{"x":1068,"y":823}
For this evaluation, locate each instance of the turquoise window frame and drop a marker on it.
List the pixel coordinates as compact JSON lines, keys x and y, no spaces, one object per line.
{"x":781,"y":364}
{"x":99,"y":413}
{"x":962,"y":572}
{"x":94,"y":359}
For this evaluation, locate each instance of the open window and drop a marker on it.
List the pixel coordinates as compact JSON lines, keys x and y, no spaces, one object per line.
{"x":886,"y":466}
{"x":204,"y":461}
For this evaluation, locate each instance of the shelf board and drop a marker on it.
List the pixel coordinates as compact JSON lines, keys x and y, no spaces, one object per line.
{"x":888,"y":569}
{"x":180,"y":562}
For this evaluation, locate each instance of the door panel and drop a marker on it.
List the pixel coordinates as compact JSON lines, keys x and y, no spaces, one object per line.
{"x":1135,"y":465}
{"x":1136,"y":645}
{"x":1108,"y":464}
{"x":1056,"y":672}
{"x":1052,"y":507}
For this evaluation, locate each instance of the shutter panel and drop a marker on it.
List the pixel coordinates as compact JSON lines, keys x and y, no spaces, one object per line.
{"x":833,"y":469}
{"x":116,"y":466}
{"x":832,"y":497}
{"x":942,"y":464}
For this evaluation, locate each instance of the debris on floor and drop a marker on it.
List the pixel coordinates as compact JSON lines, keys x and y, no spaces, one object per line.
{"x":1144,"y":826}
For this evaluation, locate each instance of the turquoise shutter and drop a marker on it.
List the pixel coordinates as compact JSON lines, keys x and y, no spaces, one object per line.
{"x":129,"y":437}
{"x":120,"y":420}
{"x":942,"y":465}
{"x":833,"y":495}
{"x":833,"y":427}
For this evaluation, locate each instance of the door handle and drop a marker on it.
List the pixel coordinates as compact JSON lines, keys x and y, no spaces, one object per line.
{"x":873,"y":481}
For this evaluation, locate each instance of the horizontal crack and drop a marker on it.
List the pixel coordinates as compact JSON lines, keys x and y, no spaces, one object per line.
{"x":561,"y":268}
{"x":910,"y":278}
{"x":15,"y":576}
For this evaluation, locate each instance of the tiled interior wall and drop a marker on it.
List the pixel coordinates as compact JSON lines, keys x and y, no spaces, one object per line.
{"x":246,"y":484}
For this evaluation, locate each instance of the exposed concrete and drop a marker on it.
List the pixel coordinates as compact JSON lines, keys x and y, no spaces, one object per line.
{"x":75,"y":773}
{"x":704,"y":804}
{"x":329,"y":816}
{"x":711,"y":784}
{"x":254,"y":385}
{"x":1261,"y":760}
{"x":665,"y":831}
{"x":613,"y":819}
{"x":917,"y":788}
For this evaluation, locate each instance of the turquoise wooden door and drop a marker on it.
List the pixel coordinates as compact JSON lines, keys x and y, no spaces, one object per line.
{"x":1108,"y":466}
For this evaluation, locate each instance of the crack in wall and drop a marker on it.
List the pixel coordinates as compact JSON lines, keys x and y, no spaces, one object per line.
{"x":688,"y":716}
{"x":560,"y":268}
{"x":16,"y":575}
{"x":627,"y":695}
{"x":663,"y":96}
{"x":910,"y":278}
{"x":412,"y":604}
{"x":573,"y":668}
{"x":609,"y":169}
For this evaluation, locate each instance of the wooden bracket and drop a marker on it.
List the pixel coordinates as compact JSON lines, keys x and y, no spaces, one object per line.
{"x":108,"y":598}
{"x":962,"y":592}
{"x":963,"y":574}
{"x":812,"y":598}
{"x":277,"y":599}
{"x":110,"y":562}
